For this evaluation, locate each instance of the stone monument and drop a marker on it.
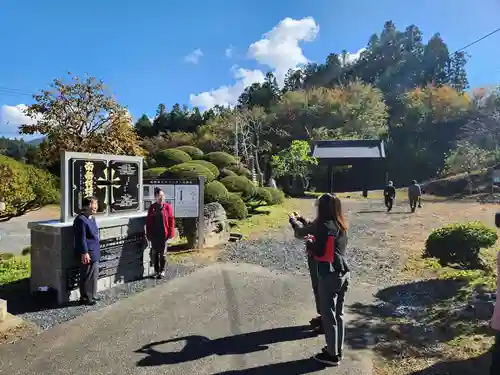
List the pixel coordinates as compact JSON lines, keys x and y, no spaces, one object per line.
{"x":117,"y":183}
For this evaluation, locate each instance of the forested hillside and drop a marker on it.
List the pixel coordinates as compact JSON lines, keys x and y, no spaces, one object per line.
{"x":406,"y":89}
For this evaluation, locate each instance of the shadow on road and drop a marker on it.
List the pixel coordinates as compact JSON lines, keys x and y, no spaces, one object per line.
{"x":198,"y":347}
{"x":299,"y":367}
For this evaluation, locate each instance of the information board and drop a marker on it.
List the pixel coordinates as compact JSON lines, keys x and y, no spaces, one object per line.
{"x":183,"y":195}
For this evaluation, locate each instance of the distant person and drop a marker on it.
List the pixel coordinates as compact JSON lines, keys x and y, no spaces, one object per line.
{"x":272,"y":183}
{"x":389,"y":195}
{"x":86,"y":240}
{"x":414,"y":195}
{"x":160,"y":228}
{"x":308,"y":228}
{"x":495,"y":324}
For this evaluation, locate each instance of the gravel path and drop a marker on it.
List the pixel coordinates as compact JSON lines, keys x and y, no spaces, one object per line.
{"x":369,"y":262}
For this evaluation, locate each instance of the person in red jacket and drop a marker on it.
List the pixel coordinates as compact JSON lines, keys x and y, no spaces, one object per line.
{"x":159,"y":229}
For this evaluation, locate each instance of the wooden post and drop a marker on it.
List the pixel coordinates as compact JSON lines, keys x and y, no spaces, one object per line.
{"x":330,"y":178}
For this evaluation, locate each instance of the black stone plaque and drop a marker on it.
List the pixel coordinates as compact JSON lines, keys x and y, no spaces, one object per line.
{"x":117,"y":254}
{"x":124,"y":186}
{"x":84,"y":182}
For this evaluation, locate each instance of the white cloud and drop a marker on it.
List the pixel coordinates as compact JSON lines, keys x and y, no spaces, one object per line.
{"x":353,"y":57}
{"x":229,"y":52}
{"x":194,"y":57}
{"x":10,"y":119}
{"x":227,"y":95}
{"x":279,"y":49}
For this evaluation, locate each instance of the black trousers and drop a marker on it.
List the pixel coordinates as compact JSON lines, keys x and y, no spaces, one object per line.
{"x":159,"y":254}
{"x":89,"y":274}
{"x":495,"y":356}
{"x":413,"y":203}
{"x":389,"y":201}
{"x":313,"y":272}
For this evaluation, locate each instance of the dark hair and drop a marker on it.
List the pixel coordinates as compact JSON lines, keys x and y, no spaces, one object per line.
{"x":330,"y":209}
{"x":87,"y":201}
{"x":157,"y":191}
{"x":414,"y":182}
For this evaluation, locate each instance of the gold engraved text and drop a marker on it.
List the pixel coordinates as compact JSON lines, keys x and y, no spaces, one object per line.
{"x":88,"y":184}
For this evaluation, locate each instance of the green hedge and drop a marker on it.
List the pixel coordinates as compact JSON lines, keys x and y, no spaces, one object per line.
{"x":170,"y":157}
{"x":224,"y":172}
{"x":194,"y":152}
{"x":240,"y":170}
{"x":211,"y":167}
{"x":460,"y":243}
{"x":220,"y":159}
{"x":215,"y":191}
{"x":277,"y":196}
{"x":234,"y":206}
{"x":21,"y":185}
{"x":189,"y":170}
{"x":241,"y":185}
{"x":154,"y":172}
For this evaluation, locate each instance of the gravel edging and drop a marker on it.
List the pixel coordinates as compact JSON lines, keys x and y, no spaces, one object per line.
{"x":48,"y":318}
{"x":369,"y":264}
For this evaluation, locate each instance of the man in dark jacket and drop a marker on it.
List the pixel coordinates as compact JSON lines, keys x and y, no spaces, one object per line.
{"x":389,"y":195}
{"x":414,"y":195}
{"x":86,"y":238}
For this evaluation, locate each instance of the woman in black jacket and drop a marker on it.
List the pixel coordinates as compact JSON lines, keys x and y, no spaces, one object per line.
{"x":327,"y":245}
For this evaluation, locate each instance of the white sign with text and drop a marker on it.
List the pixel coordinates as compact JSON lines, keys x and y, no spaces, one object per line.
{"x":187,"y":200}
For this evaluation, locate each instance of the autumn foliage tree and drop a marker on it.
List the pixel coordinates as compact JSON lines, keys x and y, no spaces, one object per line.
{"x":80,"y":116}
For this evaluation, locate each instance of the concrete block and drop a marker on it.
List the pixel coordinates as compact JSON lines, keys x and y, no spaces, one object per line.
{"x":53,"y":259}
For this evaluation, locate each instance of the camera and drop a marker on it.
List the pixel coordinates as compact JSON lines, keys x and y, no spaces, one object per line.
{"x":497,"y":219}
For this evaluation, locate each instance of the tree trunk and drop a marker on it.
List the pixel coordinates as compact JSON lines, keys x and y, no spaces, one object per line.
{"x":257,"y":168}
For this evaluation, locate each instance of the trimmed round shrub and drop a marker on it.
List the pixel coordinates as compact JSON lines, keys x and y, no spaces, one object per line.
{"x":224,"y":172}
{"x":170,"y":157}
{"x":240,"y":185}
{"x":215,"y":191}
{"x":240,"y":170}
{"x":154,"y":172}
{"x":211,"y":167}
{"x":263,"y":195}
{"x":220,"y":159}
{"x":234,"y":206}
{"x":277,"y":196}
{"x":194,"y":152}
{"x":189,"y":170}
{"x":460,"y":244}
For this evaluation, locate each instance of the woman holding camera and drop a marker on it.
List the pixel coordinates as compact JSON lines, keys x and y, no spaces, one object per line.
{"x":326,"y":243}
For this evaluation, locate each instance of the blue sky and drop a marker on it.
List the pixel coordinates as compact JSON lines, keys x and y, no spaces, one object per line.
{"x":139,"y":48}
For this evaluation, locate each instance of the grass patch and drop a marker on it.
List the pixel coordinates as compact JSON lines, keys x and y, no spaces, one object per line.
{"x":13,"y":268}
{"x":262,"y":219}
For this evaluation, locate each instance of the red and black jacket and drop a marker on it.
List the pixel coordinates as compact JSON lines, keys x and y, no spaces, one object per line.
{"x":329,"y":245}
{"x":168,"y":220}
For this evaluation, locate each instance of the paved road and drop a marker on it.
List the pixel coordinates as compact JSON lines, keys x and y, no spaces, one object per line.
{"x":15,"y":235}
{"x":222,"y":319}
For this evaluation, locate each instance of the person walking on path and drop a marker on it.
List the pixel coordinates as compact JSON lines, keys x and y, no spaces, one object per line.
{"x":308,"y":229}
{"x":160,"y":226}
{"x":389,"y":195}
{"x":414,"y":195}
{"x":86,"y":241}
{"x":495,"y":324}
